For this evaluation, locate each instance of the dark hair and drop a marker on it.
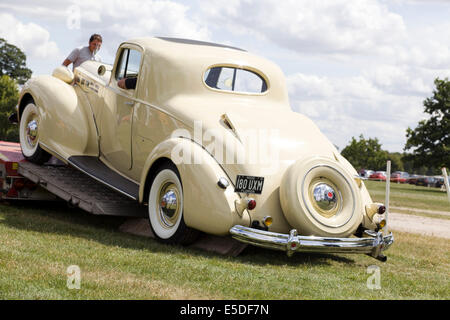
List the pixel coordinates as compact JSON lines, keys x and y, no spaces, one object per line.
{"x":95,"y":36}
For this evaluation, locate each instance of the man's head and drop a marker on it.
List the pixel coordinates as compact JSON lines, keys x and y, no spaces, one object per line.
{"x":95,"y":42}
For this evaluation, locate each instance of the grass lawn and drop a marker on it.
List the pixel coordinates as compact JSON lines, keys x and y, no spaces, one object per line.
{"x":413,"y":197}
{"x":38,"y":244}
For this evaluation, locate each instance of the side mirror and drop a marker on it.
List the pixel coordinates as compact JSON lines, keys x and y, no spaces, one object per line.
{"x":101,"y":70}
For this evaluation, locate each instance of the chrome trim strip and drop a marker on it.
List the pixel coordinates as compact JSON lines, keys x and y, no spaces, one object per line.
{"x":290,"y":243}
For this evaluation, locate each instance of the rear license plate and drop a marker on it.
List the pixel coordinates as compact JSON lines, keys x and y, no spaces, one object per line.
{"x":249,"y":184}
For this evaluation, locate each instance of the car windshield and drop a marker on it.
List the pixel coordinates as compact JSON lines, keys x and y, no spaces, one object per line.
{"x":235,"y":79}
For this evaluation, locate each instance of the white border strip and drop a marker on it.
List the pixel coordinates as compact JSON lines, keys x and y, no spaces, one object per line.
{"x":388,"y":190}
{"x":444,"y":173}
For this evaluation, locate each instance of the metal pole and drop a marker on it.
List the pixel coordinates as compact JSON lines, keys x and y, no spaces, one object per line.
{"x":444,"y":172}
{"x":388,"y":190}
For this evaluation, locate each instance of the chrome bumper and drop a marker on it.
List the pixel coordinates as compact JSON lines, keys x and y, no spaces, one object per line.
{"x":372,"y":245}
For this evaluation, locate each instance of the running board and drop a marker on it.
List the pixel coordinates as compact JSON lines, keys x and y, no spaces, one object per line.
{"x":80,"y":190}
{"x":97,"y":170}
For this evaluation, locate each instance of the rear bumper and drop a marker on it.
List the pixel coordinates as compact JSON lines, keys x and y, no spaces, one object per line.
{"x":373,"y":244}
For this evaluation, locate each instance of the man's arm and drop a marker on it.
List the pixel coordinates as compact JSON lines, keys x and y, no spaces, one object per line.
{"x":121,"y":83}
{"x":72,"y":57}
{"x":127,"y":83}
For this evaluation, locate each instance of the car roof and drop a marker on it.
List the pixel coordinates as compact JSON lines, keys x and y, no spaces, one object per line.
{"x":190,"y":59}
{"x":201,"y":53}
{"x":198,"y":43}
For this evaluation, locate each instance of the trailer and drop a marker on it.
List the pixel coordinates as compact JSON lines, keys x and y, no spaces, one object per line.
{"x":14,"y":186}
{"x":57,"y":181}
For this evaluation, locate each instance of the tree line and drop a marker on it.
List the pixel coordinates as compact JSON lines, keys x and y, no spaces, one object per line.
{"x":427,"y":147}
{"x":13,"y":72}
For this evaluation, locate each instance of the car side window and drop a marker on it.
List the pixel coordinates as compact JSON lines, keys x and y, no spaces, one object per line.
{"x":235,"y":79}
{"x":134,"y":61}
{"x":128,"y":65}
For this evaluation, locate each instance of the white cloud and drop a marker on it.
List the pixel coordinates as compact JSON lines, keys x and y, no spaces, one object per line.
{"x":341,"y":26}
{"x":33,"y":39}
{"x":400,"y":80}
{"x":344,"y":107}
{"x":132,"y":18}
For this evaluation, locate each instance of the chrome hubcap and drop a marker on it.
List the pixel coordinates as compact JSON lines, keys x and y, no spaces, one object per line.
{"x":325,"y":197}
{"x":32,"y":132}
{"x":169,"y":207}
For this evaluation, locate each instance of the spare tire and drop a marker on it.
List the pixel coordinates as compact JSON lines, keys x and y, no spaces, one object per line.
{"x":319,"y":197}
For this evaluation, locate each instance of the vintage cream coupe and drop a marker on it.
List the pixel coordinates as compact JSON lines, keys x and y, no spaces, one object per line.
{"x":206,"y":139}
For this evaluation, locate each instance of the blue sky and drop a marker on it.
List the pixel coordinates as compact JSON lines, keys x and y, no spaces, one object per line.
{"x":353,"y":66}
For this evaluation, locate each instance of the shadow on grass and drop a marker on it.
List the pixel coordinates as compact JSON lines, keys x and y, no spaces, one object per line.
{"x":58,"y":218}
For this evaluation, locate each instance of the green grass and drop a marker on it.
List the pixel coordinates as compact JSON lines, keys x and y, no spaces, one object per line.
{"x":37,"y":246}
{"x":412,"y":198}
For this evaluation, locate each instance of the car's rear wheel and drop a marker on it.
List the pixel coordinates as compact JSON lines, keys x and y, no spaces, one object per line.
{"x":165,"y":207}
{"x":29,"y":135}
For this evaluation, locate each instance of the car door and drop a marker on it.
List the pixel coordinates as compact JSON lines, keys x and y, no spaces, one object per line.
{"x":117,"y":115}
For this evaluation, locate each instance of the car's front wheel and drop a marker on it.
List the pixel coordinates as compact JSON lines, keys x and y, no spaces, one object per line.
{"x":29,"y":135}
{"x":165,"y":207}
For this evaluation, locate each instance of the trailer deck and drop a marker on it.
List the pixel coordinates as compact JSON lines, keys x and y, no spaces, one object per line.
{"x":80,"y":190}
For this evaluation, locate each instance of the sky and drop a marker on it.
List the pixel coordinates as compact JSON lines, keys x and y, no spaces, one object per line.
{"x":353,"y":66}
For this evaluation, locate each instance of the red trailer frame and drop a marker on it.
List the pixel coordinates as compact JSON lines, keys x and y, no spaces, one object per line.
{"x":13,"y":186}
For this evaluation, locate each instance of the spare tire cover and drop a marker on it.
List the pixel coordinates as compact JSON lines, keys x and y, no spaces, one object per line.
{"x":319,"y":197}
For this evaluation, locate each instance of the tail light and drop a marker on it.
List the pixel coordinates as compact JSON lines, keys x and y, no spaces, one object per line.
{"x":251,"y":204}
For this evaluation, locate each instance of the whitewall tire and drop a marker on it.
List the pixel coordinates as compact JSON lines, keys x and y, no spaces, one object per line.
{"x":165,"y":207}
{"x":29,"y":131}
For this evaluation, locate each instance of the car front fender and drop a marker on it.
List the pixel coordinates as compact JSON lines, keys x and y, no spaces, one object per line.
{"x":67,"y":126}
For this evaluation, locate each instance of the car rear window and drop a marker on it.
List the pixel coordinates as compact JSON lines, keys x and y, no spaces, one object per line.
{"x":235,"y":79}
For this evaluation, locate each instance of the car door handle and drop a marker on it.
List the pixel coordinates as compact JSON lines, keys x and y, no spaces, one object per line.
{"x":129,"y":103}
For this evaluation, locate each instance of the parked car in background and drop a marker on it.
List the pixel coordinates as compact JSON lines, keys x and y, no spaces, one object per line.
{"x":413,"y":178}
{"x":400,"y":177}
{"x":364,"y":173}
{"x":378,"y":175}
{"x":440,"y":182}
{"x":426,"y":181}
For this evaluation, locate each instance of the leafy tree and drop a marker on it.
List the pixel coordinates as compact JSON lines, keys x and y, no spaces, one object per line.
{"x":13,"y":62}
{"x":9,"y":94}
{"x":396,"y":161}
{"x":365,"y":154}
{"x":430,"y":140}
{"x":408,"y":164}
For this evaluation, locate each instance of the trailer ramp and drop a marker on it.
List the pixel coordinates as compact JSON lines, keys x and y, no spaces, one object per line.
{"x":80,"y":190}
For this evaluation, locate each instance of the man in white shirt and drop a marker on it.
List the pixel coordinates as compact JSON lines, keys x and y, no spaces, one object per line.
{"x":81,"y":54}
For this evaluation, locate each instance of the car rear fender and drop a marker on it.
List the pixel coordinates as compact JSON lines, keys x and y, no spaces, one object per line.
{"x":207,"y":206}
